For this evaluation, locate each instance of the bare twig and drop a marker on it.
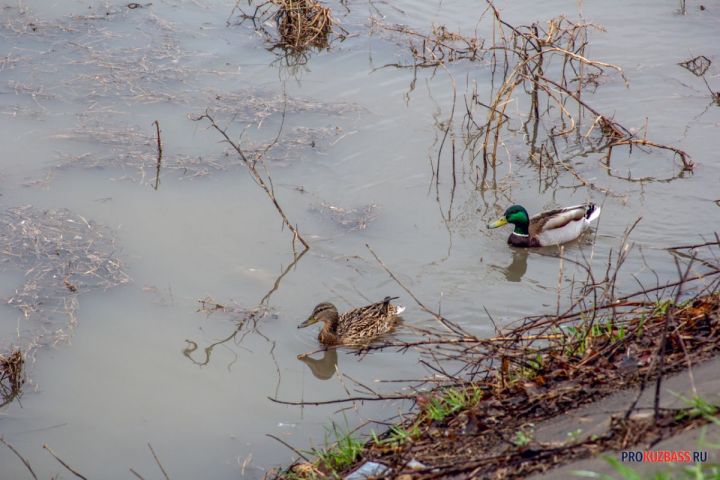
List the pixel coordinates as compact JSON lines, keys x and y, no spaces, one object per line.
{"x":23,"y":459}
{"x":157,"y":460}
{"x":257,"y":177}
{"x":444,"y":321}
{"x":68,"y":467}
{"x":295,"y":450}
{"x":159,"y":154}
{"x":688,"y":164}
{"x":346,"y":400}
{"x":136,"y":474}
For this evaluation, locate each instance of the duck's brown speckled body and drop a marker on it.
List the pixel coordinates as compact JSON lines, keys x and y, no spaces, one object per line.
{"x":355,"y":327}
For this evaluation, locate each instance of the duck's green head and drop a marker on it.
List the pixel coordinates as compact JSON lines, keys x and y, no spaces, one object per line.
{"x":518,"y":216}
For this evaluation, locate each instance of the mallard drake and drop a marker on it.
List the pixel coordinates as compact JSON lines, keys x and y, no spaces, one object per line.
{"x":553,"y":227}
{"x":356,"y":327}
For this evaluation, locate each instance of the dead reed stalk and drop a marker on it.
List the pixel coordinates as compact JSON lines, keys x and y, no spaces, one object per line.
{"x":545,"y":68}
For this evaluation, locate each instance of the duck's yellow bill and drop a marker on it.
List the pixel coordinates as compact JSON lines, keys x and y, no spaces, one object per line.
{"x":498,"y":223}
{"x":308,"y":322}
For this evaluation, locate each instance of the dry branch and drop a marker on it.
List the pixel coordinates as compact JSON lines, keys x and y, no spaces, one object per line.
{"x":157,"y":460}
{"x":159,"y":154}
{"x":64,"y":464}
{"x":17,"y":454}
{"x":264,"y":183}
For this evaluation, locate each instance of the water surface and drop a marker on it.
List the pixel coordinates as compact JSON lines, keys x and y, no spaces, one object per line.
{"x":81,"y":84}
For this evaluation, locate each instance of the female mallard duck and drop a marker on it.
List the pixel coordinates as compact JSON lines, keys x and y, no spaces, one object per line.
{"x":547,"y":228}
{"x":356,"y":327}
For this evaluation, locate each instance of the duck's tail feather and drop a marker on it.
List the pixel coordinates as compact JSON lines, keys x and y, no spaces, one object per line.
{"x":592,"y":213}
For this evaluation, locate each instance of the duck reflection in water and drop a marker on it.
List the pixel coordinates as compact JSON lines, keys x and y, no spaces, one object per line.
{"x":323,"y":368}
{"x":515,"y":271}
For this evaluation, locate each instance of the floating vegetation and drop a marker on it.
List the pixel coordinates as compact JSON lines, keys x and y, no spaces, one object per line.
{"x":101,"y":60}
{"x":134,"y":153}
{"x":141,"y":165}
{"x":147,"y":64}
{"x":61,"y":255}
{"x":254,"y":105}
{"x":133,"y":150}
{"x":146,"y":68}
{"x":136,"y":73}
{"x":348,"y":218}
{"x":21,"y":111}
{"x":97,"y":132}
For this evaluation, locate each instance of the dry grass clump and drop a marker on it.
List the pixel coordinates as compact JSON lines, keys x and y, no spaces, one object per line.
{"x":11,"y":375}
{"x":301,"y":24}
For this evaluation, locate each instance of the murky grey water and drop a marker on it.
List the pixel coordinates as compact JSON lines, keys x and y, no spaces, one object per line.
{"x":81,"y":84}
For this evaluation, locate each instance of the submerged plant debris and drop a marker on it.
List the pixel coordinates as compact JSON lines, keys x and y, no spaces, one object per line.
{"x":349,"y":219}
{"x":133,"y":153}
{"x":60,"y":255}
{"x":254,"y":105}
{"x":109,"y":69}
